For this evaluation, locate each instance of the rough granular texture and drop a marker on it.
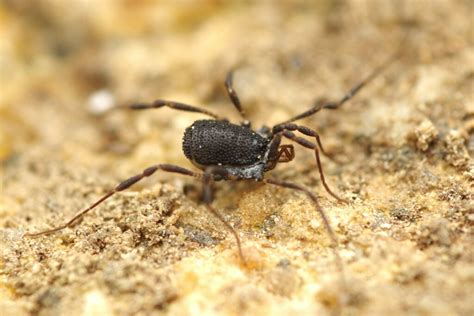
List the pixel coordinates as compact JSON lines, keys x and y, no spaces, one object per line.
{"x":402,"y":153}
{"x":210,"y":142}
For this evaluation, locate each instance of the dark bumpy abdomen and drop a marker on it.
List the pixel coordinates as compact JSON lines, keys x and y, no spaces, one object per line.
{"x":209,"y":142}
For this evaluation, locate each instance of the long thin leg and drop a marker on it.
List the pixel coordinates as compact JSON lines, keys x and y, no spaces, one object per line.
{"x":208,"y":179}
{"x":207,"y":186}
{"x":286,"y":128}
{"x":305,"y":143}
{"x":349,"y":95}
{"x":229,"y":81}
{"x":171,"y":104}
{"x":120,"y":187}
{"x":327,"y":224}
{"x":304,"y":130}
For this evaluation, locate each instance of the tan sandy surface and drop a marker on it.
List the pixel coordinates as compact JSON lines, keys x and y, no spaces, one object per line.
{"x":404,"y":145}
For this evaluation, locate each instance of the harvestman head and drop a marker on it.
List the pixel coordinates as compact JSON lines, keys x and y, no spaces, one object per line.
{"x":227,"y":151}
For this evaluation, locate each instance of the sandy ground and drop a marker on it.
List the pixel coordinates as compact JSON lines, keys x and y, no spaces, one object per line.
{"x":404,"y":146}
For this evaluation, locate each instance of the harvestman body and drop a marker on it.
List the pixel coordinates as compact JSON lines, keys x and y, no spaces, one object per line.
{"x":227,"y":151}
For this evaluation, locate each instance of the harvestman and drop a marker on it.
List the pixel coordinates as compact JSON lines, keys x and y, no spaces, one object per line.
{"x":227,"y":151}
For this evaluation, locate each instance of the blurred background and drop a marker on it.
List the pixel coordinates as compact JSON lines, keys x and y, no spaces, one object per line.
{"x":60,"y":58}
{"x":405,"y":143}
{"x":63,"y":62}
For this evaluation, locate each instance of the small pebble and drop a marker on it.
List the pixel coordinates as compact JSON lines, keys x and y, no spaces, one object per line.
{"x":101,"y":101}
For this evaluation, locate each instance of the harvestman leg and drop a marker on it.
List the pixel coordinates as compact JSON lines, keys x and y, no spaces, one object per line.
{"x":208,"y":180}
{"x":120,"y":187}
{"x":286,"y":129}
{"x":229,"y":82}
{"x":159,"y":103}
{"x":322,"y":214}
{"x":350,"y":94}
{"x":173,"y":105}
{"x":207,"y":184}
{"x":302,"y":129}
{"x":283,"y":153}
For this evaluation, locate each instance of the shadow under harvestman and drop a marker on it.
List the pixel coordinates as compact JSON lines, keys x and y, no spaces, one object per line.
{"x":227,"y":151}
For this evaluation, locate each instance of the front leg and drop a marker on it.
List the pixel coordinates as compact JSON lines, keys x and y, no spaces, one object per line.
{"x":286,"y":131}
